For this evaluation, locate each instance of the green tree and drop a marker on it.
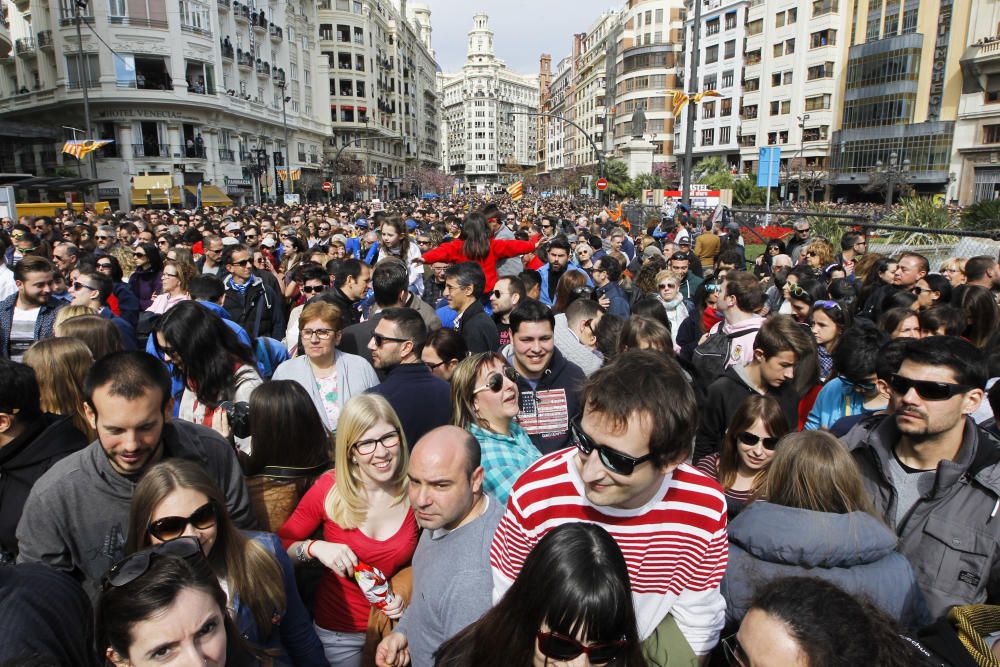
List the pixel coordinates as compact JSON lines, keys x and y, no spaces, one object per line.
{"x":713,"y":172}
{"x":648,"y":182}
{"x":982,"y":216}
{"x":746,"y":192}
{"x":619,"y":184}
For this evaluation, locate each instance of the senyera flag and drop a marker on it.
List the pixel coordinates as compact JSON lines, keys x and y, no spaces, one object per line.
{"x":80,"y":148}
{"x":516,"y":190}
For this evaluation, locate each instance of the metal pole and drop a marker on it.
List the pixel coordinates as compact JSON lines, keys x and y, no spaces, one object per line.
{"x":85,"y":80}
{"x":691,"y":107}
{"x":288,"y":146}
{"x":802,"y":148}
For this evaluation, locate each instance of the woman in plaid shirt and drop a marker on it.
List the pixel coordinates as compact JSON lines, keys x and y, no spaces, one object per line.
{"x":485,"y":401}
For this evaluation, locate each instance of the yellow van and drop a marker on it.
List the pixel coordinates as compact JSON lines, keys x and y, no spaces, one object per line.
{"x":50,"y":208}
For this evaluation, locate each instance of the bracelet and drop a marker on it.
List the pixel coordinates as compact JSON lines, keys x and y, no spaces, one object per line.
{"x":300,"y":553}
{"x":309,"y":548}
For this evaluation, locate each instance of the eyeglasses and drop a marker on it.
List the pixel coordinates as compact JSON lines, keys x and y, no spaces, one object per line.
{"x":423,"y":242}
{"x":431,"y":366}
{"x":310,"y":289}
{"x":916,"y":289}
{"x":322,"y":334}
{"x":560,"y":647}
{"x":381,"y":340}
{"x":583,"y":292}
{"x":100,"y":237}
{"x":811,"y":253}
{"x":863,"y":387}
{"x":324,"y":229}
{"x":23,"y":249}
{"x":667,"y":286}
{"x":751,"y":439}
{"x":613,"y":460}
{"x":162,"y":242}
{"x":77,"y":286}
{"x":927,"y":389}
{"x":242,"y":262}
{"x":711,"y":288}
{"x":803,"y":231}
{"x":101,"y":265}
{"x":494,"y":381}
{"x":138,"y":254}
{"x":799,"y":292}
{"x":365,"y":447}
{"x":127,"y":570}
{"x":735,"y":655}
{"x":826,"y":304}
{"x":169,"y":275}
{"x":496,"y":293}
{"x":172,"y":527}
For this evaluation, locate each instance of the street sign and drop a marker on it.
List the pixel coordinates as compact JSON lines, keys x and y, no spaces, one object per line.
{"x":327,"y":186}
{"x":769,"y":167}
{"x":602,"y":184}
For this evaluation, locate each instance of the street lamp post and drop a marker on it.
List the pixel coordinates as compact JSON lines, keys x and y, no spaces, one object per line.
{"x":597,"y":151}
{"x":84,"y":78}
{"x":692,"y":108}
{"x":802,"y":147}
{"x":288,"y":147}
{"x":893,"y":172}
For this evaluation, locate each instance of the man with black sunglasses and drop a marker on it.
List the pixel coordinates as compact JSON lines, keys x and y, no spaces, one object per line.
{"x":626,"y":472}
{"x":250,"y":301}
{"x":934,"y":474}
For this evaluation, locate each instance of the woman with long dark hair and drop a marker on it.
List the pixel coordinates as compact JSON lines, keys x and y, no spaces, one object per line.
{"x":477,"y":244}
{"x":571,"y":597}
{"x":704,"y":317}
{"x":175,"y":499}
{"x":394,"y":241}
{"x":123,"y":301}
{"x":150,"y":598}
{"x":443,"y":351}
{"x":981,"y":312}
{"x":146,"y":281}
{"x":214,"y":366}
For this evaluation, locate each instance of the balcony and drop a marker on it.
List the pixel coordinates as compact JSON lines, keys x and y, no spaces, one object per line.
{"x":259,"y":21}
{"x":224,"y":5}
{"x":139,"y":22}
{"x":981,"y":66}
{"x":227,"y":155}
{"x":194,"y":151}
{"x":25,"y":46}
{"x":22,"y":5}
{"x":244,"y":59}
{"x":227,"y":51}
{"x":45,"y":39}
{"x":276,"y":33}
{"x":823,"y":7}
{"x":196,"y":30}
{"x":151,"y":150}
{"x":263,"y":69}
{"x":278,"y":75}
{"x":242,"y":12}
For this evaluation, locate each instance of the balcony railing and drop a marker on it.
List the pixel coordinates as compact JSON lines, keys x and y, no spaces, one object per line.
{"x":278,"y":76}
{"x":276,"y":32}
{"x":24,"y":45}
{"x":138,"y":22}
{"x":45,"y":39}
{"x":224,"y":5}
{"x":196,"y":30}
{"x":227,"y":154}
{"x":228,"y":51}
{"x":68,"y":20}
{"x":264,"y":69}
{"x":244,"y":59}
{"x":195,"y":151}
{"x":151,"y":150}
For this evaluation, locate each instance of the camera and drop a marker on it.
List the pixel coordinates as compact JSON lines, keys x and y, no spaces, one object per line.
{"x":239,"y":417}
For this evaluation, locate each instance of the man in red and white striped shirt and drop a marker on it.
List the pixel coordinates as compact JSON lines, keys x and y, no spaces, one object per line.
{"x":627,"y":474}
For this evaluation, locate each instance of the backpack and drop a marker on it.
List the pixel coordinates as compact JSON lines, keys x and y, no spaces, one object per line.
{"x":709,"y":359}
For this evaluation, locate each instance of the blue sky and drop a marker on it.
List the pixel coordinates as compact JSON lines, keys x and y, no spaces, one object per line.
{"x":523,"y":29}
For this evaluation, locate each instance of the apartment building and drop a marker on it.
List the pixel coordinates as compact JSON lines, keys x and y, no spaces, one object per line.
{"x":901,"y":92}
{"x":558,"y":132}
{"x":590,"y":106}
{"x":793,"y":60}
{"x":383,"y":98}
{"x":720,"y":69}
{"x":194,"y":92}
{"x":974,"y":174}
{"x":487,"y":125}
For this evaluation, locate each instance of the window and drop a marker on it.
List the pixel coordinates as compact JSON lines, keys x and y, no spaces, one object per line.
{"x":775,"y":107}
{"x":781,"y":108}
{"x":776,"y":79}
{"x":708,"y":110}
{"x":326,"y":31}
{"x":359,"y":87}
{"x":725,"y":134}
{"x":659,"y":16}
{"x":730,"y":49}
{"x":755,"y":27}
{"x":817,"y":102}
{"x":712,"y":26}
{"x":117,"y":8}
{"x":749,"y":112}
{"x":751,"y":85}
{"x":991,"y":134}
{"x":753,"y":57}
{"x":91,"y":70}
{"x":712,"y":54}
{"x":359,"y":36}
{"x":730,"y":20}
{"x":726,"y":107}
{"x":789,"y":46}
{"x":793,"y":15}
{"x":779,"y":19}
{"x":821,"y":71}
{"x":786,"y":78}
{"x":778,"y":50}
{"x":709,"y":82}
{"x":708,"y":137}
{"x":991,"y":98}
{"x":823,"y":38}
{"x":727,"y":79}
{"x":821,"y":7}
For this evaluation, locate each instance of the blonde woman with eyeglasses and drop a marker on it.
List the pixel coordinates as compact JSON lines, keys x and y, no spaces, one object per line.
{"x":364,"y":511}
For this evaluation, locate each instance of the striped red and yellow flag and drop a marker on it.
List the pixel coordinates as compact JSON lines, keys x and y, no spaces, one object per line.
{"x":296,"y":174}
{"x":81,"y":148}
{"x":516,"y":190}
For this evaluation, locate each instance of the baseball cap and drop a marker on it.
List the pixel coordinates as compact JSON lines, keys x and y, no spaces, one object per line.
{"x":229,"y":240}
{"x":651,"y":251}
{"x":361,"y":222}
{"x":411,"y":224}
{"x":233,"y":227}
{"x":268,"y":242}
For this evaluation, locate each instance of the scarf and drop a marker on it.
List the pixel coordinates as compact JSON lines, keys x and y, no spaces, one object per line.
{"x":242,"y":289}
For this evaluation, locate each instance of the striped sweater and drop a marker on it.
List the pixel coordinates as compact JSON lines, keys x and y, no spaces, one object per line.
{"x":675,"y":546}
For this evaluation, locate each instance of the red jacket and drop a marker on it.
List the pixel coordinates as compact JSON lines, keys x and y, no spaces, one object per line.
{"x":452,"y":253}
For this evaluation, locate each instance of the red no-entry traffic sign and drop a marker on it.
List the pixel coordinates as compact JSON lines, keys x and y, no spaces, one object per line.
{"x":602,"y":184}
{"x":327,"y":186}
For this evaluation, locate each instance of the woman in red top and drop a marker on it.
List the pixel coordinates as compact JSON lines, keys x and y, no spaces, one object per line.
{"x":366,"y":517}
{"x":478,"y":245}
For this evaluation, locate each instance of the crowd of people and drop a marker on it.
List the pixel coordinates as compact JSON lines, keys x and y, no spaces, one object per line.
{"x":485,"y":432}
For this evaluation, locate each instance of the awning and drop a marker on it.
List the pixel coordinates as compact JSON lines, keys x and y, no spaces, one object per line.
{"x":161,"y":182}
{"x":157,"y":196}
{"x":211,"y":195}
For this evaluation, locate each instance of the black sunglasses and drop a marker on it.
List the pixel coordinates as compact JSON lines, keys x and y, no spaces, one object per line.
{"x":613,"y":460}
{"x":172,"y":527}
{"x":560,"y":647}
{"x":927,"y":389}
{"x":751,"y":440}
{"x":242,"y":262}
{"x":857,"y":386}
{"x":494,"y":381}
{"x":381,"y":340}
{"x":309,"y":289}
{"x":79,"y":286}
{"x":130,"y":568}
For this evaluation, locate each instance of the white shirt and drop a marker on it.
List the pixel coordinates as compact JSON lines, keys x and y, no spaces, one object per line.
{"x":22,"y":331}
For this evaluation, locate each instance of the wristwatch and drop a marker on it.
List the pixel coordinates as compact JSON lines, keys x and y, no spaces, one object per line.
{"x":300,"y":552}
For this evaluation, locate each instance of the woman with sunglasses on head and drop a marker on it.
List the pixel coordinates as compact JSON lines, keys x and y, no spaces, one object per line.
{"x":485,"y":401}
{"x":146,"y":281}
{"x":814,"y":517}
{"x":330,"y":376}
{"x":571,"y":604}
{"x":364,"y":511}
{"x":668,"y":285}
{"x":175,"y":278}
{"x":177,"y":499}
{"x":123,"y":302}
{"x":801,"y":292}
{"x":807,"y":622}
{"x":828,"y":320}
{"x":443,"y":351}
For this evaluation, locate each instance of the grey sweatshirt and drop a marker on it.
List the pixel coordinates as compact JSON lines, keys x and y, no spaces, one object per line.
{"x":452,"y":584}
{"x":76,"y":516}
